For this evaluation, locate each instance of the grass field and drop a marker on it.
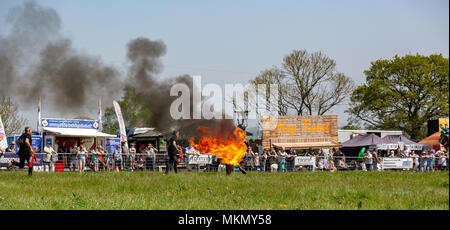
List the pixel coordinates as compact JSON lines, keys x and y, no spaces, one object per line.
{"x":254,"y":191}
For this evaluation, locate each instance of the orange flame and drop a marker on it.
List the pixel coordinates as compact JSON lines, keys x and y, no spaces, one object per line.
{"x":230,"y":147}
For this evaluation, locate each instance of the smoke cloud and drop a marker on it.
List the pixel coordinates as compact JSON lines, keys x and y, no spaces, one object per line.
{"x":36,"y":60}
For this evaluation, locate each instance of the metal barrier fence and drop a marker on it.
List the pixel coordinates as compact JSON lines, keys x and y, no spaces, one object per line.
{"x":158,"y":162}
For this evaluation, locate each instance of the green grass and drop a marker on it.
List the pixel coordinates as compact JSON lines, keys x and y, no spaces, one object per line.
{"x":254,"y":191}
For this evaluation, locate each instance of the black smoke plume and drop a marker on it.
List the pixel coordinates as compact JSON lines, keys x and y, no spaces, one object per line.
{"x":37,"y":61}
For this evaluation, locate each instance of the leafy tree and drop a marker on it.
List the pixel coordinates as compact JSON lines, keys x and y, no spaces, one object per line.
{"x":13,"y":122}
{"x":134,"y":112}
{"x":403,"y":93}
{"x":351,"y":127}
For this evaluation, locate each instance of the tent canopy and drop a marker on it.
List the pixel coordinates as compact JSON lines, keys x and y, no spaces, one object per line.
{"x":76,"y":132}
{"x":394,"y":139}
{"x":432,"y":140}
{"x":364,"y":140}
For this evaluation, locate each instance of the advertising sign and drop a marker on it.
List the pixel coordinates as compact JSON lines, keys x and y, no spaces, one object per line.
{"x":303,"y":161}
{"x":397,"y":163}
{"x":201,"y":159}
{"x":396,"y":146}
{"x":111,"y":144}
{"x":443,"y":123}
{"x":123,"y":133}
{"x":36,"y":141}
{"x":300,"y":131}
{"x":65,"y":123}
{"x":7,"y":157}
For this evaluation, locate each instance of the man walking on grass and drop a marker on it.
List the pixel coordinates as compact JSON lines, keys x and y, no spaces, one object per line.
{"x":26,"y":152}
{"x":173,"y":153}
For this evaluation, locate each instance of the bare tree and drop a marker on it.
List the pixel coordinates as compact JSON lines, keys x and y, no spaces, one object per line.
{"x":12,"y":120}
{"x":267,"y":78}
{"x":308,"y":83}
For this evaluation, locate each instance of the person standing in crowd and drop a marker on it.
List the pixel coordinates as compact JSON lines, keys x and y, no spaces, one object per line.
{"x":264,"y":160}
{"x":321,"y":160}
{"x":94,"y":157}
{"x":291,"y":159}
{"x":407,"y":151}
{"x":390,"y":153}
{"x":132,"y":156}
{"x":173,"y":153}
{"x":273,"y":159}
{"x":11,"y":148}
{"x":430,"y":160}
{"x":110,"y":160}
{"x":415,"y":158}
{"x":368,"y":159}
{"x":47,"y":157}
{"x":81,"y":157}
{"x":125,"y":156}
{"x":73,"y":157}
{"x":331,"y":165}
{"x":190,"y":152}
{"x":62,"y":148}
{"x":150,"y":159}
{"x":282,"y":156}
{"x":379,"y":163}
{"x":53,"y":160}
{"x":341,"y":164}
{"x":117,"y":159}
{"x":442,"y":162}
{"x":50,"y":157}
{"x":247,"y":163}
{"x":423,"y":161}
{"x":338,"y":156}
{"x":26,"y":152}
{"x":256,"y":161}
{"x":375,"y":159}
{"x":101,"y":162}
{"x":310,"y":153}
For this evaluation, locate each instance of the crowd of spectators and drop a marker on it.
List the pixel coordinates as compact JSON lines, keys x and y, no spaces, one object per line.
{"x":275,"y":159}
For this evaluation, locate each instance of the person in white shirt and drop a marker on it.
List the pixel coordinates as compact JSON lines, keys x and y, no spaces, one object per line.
{"x":49,"y":158}
{"x":368,"y":157}
{"x":190,"y":151}
{"x":150,"y":160}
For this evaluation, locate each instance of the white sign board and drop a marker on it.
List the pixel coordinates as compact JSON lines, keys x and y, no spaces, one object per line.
{"x":302,"y":161}
{"x":397,"y":163}
{"x":200,"y":159}
{"x":396,"y":146}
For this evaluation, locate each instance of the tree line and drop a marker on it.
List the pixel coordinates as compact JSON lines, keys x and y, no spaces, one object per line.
{"x":401,"y":93}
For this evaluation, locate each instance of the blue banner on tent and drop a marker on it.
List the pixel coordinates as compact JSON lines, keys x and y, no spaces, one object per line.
{"x":63,"y":123}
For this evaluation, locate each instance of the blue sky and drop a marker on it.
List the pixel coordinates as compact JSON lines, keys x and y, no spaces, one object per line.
{"x":231,"y":41}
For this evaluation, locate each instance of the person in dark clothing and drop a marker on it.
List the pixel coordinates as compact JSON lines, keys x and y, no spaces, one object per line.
{"x":338,"y":155}
{"x":25,"y":151}
{"x":173,"y":153}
